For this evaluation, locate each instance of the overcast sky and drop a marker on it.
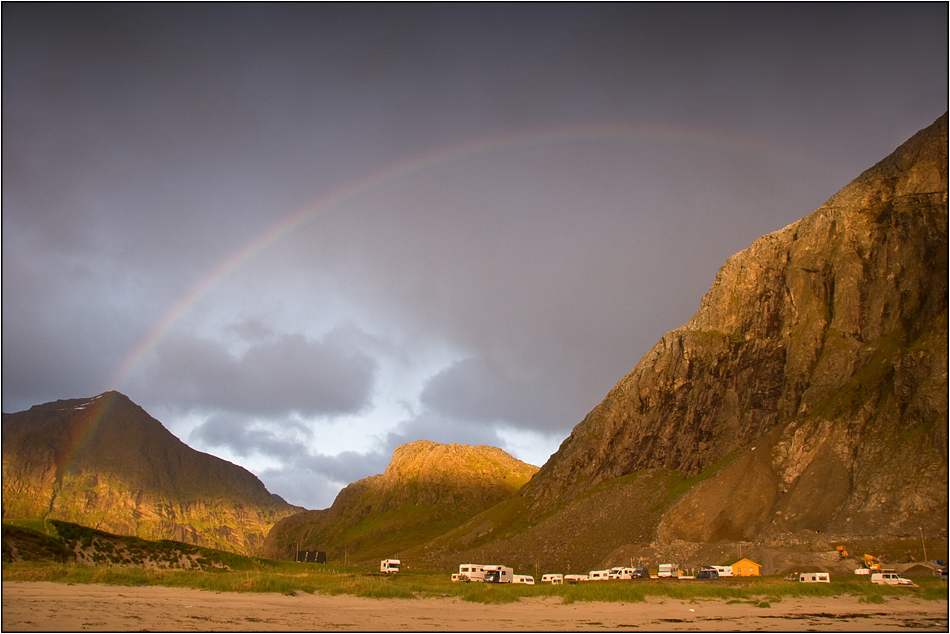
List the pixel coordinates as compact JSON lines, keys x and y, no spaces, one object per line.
{"x":301,"y":235}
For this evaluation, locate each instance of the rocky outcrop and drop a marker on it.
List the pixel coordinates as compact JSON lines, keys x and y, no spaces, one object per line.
{"x":811,"y":386}
{"x":105,"y":463}
{"x":427,"y":489}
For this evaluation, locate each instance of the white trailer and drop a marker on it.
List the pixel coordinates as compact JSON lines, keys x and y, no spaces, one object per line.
{"x":668,"y":570}
{"x":598,"y":575}
{"x":575,"y":578}
{"x":389,"y":566}
{"x":525,"y":579}
{"x":553,"y":579}
{"x":499,"y":574}
{"x":814,"y":577}
{"x":724,"y":571}
{"x":470,"y":572}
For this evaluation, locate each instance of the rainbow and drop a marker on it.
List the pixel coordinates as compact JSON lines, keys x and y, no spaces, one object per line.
{"x":366,"y":184}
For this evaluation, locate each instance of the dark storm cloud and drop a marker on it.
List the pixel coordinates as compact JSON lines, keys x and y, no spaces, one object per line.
{"x":144,"y":145}
{"x":283,"y":375}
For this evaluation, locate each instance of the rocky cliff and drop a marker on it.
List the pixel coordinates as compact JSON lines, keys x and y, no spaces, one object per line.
{"x":105,"y":463}
{"x":427,"y":489}
{"x":808,"y":394}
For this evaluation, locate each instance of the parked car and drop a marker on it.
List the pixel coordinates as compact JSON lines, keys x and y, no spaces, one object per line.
{"x":708,"y":573}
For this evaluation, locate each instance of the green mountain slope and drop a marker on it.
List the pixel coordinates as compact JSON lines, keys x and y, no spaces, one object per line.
{"x":105,"y":463}
{"x":427,"y":489}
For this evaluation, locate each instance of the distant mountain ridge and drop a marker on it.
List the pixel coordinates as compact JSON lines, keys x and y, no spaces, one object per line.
{"x":103,"y":462}
{"x":808,"y":396}
{"x":427,"y":489}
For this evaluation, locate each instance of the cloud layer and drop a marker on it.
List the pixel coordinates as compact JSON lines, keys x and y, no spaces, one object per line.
{"x":479,"y":218}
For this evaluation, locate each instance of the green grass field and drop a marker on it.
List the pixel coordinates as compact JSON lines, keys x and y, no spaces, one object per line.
{"x":289,"y":577}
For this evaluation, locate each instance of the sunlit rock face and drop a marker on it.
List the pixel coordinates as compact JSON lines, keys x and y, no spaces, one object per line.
{"x":811,"y":386}
{"x":104,"y":462}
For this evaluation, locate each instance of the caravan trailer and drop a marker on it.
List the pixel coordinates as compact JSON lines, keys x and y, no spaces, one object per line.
{"x":668,"y":570}
{"x":389,"y":565}
{"x":554,"y":580}
{"x":724,"y":571}
{"x":814,"y":577}
{"x":525,"y":579}
{"x":598,"y":575}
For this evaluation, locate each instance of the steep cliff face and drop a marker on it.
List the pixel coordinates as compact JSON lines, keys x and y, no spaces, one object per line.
{"x":105,"y":463}
{"x":814,"y":375}
{"x":427,"y":489}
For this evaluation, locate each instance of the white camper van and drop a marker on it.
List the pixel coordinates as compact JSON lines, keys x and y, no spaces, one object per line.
{"x":389,"y":565}
{"x":470,"y":572}
{"x":499,"y":574}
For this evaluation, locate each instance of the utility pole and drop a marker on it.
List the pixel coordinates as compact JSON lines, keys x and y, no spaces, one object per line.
{"x":922,"y":542}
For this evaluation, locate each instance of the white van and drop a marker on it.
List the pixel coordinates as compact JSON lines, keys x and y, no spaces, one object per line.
{"x":525,"y":579}
{"x":620,"y":573}
{"x":553,"y":579}
{"x":814,"y":577}
{"x":890,"y":579}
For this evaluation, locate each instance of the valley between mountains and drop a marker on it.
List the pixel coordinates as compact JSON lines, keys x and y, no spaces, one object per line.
{"x":803,"y":406}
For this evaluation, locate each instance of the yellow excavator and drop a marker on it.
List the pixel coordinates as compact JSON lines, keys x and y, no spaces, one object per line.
{"x":872,"y":563}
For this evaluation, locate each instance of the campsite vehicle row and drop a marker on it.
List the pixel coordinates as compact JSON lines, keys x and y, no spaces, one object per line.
{"x":494,"y":573}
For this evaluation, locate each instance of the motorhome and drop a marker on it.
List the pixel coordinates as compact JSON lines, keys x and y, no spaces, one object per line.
{"x":598,"y":575}
{"x":389,"y":565}
{"x":552,"y":579}
{"x":499,"y":574}
{"x":470,"y":572}
{"x":668,"y":570}
{"x":525,"y":579}
{"x":621,"y":573}
{"x":814,"y":577}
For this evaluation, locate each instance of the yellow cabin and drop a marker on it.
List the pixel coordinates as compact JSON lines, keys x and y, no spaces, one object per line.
{"x":746,"y":568}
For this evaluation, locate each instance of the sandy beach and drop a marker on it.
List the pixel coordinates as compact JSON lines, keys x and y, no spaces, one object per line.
{"x":44,"y":606}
